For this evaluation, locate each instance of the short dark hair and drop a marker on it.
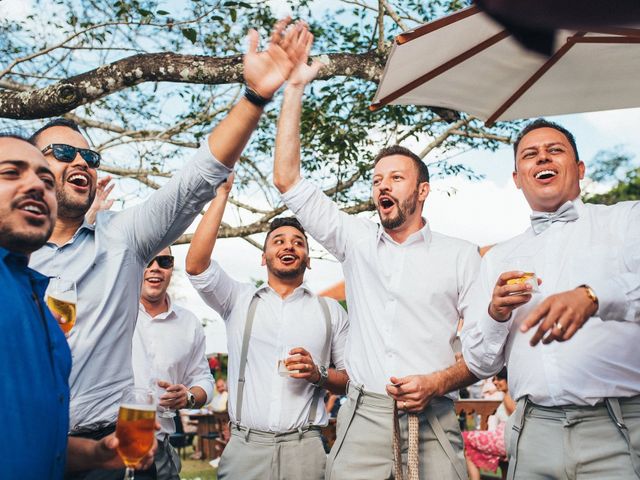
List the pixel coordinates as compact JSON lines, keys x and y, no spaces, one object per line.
{"x":284,"y":222}
{"x":502,"y":374}
{"x":56,"y":122}
{"x":543,"y":123}
{"x":423,"y":171}
{"x":15,"y":134}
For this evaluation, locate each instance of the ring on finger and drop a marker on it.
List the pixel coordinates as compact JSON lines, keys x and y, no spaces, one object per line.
{"x":404,"y":405}
{"x":559,"y":326}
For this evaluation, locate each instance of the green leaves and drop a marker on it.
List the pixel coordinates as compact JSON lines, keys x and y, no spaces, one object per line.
{"x":190,"y":34}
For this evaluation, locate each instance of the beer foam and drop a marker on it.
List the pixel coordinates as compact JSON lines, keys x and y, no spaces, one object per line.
{"x":133,"y":406}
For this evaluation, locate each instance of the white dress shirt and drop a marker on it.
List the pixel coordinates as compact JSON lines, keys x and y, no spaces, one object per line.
{"x":601,"y":249}
{"x":404,"y":300}
{"x":271,"y":402}
{"x":170,"y":347}
{"x":107,"y":261}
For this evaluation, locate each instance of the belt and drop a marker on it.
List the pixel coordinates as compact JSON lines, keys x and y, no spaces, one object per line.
{"x":275,"y":437}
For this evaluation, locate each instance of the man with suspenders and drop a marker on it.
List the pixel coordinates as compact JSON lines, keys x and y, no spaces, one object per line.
{"x":276,"y":410}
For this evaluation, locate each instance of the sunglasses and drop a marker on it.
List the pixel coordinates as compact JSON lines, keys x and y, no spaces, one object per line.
{"x":67,"y":153}
{"x":164,"y":261}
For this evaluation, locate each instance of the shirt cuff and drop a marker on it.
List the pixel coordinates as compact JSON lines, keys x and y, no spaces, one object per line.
{"x":296,"y":197}
{"x":208,"y":390}
{"x":494,"y":333}
{"x":203,"y":279}
{"x":612,"y":301}
{"x":214,"y":172}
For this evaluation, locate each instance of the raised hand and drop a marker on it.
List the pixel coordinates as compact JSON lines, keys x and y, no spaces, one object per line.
{"x":266,"y":71}
{"x":302,"y":73}
{"x":101,"y":200}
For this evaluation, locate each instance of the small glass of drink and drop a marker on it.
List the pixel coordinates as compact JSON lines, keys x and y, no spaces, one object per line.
{"x":136,"y":427}
{"x":61,"y":299}
{"x":525,"y":265}
{"x":283,"y":371}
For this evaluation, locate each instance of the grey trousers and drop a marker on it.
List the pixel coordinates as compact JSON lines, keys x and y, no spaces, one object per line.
{"x":167,"y":461}
{"x":363,"y":449}
{"x":255,"y":455}
{"x":574,"y":442}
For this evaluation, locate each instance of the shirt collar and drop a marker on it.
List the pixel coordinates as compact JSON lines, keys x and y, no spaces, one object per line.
{"x":265,"y":288}
{"x":163,"y":315}
{"x":423,"y":234}
{"x":18,"y":258}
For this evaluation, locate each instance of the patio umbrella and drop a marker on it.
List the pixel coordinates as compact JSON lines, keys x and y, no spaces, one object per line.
{"x":468,"y":62}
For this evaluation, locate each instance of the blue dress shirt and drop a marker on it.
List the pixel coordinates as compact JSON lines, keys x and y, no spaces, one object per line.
{"x":36,"y":362}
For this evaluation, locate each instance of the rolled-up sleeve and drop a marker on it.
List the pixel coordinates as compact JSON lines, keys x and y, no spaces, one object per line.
{"x":198,"y":373}
{"x":168,"y":212}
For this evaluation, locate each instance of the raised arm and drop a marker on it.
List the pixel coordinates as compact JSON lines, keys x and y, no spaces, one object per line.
{"x":286,"y":170}
{"x":264,"y":73}
{"x":203,"y":241}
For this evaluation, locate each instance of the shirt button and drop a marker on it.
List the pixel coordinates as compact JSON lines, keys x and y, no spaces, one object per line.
{"x":61,"y":398}
{"x":58,"y":458}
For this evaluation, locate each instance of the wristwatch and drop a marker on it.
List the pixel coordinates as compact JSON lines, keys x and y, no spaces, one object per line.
{"x":591,"y":294}
{"x":323,"y":376}
{"x":191,"y":400}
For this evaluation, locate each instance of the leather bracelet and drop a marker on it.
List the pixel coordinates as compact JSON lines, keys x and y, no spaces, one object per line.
{"x":254,"y":97}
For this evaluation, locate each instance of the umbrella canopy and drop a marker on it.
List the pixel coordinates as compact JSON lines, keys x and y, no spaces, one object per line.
{"x":468,"y":62}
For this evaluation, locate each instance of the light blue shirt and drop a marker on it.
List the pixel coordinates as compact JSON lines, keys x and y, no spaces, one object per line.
{"x":107,"y":261}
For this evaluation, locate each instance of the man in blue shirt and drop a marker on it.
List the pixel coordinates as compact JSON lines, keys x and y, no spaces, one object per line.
{"x":33,"y":351}
{"x":34,"y":354}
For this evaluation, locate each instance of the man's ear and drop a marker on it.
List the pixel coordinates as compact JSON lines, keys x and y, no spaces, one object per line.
{"x":423,"y":191}
{"x":581,"y":169}
{"x":264,"y":260}
{"x":516,"y":180}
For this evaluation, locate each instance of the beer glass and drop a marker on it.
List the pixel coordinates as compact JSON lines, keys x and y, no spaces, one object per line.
{"x":525,"y":265}
{"x":283,"y":371}
{"x":136,"y":427}
{"x":61,"y":299}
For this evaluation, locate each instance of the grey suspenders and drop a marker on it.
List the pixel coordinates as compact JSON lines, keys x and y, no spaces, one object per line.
{"x":246,"y":337}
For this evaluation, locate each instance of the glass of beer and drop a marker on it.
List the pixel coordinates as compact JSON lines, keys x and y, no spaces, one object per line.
{"x":283,"y":371}
{"x":135,"y":429}
{"x":61,"y":299}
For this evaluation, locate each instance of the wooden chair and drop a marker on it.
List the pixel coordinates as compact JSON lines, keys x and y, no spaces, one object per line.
{"x":483,"y":408}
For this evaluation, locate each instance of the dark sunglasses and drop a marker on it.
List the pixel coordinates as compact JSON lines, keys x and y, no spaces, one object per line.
{"x":67,"y":153}
{"x":164,"y":261}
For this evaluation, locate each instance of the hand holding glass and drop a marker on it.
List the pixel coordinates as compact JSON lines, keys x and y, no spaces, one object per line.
{"x":136,"y":427}
{"x":283,"y":371}
{"x":525,"y":265}
{"x":61,"y":299}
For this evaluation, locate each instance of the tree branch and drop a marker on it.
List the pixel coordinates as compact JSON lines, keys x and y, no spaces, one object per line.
{"x":62,"y":97}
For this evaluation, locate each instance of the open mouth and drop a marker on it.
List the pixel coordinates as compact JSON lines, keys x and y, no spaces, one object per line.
{"x":80,"y":180}
{"x":386,"y":203}
{"x":288,"y":258}
{"x":33,"y":207}
{"x":154,"y":280}
{"x":545,"y":174}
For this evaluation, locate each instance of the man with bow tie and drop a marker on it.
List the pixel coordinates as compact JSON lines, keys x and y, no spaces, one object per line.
{"x":571,"y":348}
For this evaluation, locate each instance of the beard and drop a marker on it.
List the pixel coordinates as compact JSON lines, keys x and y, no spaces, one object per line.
{"x":286,"y":274}
{"x":406,"y":208}
{"x":24,"y":242}
{"x":69,"y":206}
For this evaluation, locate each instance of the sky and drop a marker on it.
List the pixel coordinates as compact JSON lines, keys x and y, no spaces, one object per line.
{"x":483,"y":212}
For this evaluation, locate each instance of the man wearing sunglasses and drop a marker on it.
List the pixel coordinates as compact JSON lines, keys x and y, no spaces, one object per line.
{"x":107,"y":259}
{"x":169,"y":356}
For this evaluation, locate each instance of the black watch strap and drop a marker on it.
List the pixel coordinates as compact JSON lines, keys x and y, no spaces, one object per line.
{"x":254,"y":97}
